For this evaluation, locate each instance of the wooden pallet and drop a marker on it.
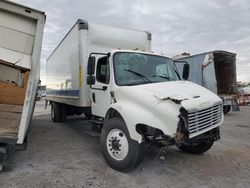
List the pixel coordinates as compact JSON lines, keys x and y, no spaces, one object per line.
{"x":10,"y":117}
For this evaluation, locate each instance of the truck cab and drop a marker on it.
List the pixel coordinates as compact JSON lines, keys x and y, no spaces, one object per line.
{"x":141,"y":99}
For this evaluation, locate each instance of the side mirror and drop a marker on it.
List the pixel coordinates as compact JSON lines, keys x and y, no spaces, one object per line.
{"x":185,"y":73}
{"x":91,"y":65}
{"x":90,"y":80}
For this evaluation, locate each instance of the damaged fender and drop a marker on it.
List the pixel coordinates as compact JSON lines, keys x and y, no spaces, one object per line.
{"x":134,"y":114}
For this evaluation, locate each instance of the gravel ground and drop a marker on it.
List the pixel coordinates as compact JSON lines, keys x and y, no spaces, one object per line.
{"x":66,"y":155}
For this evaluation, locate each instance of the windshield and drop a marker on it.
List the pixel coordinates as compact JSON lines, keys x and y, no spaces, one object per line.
{"x":137,"y":68}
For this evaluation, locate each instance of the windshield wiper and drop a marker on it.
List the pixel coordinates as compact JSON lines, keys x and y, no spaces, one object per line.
{"x":138,"y":74}
{"x":166,"y":77}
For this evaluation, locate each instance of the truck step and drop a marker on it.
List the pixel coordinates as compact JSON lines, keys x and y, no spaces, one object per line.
{"x":94,"y":130}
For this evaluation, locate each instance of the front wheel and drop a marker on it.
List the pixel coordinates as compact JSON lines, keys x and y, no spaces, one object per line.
{"x":197,"y":148}
{"x":119,"y":150}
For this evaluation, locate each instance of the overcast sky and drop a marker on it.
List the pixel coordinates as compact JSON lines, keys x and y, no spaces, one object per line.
{"x":193,"y":26}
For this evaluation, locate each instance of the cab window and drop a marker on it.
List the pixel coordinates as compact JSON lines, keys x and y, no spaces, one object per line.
{"x":103,"y":71}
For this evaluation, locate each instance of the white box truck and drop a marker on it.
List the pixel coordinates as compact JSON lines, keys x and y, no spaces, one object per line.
{"x":135,"y":96}
{"x":216,"y":71}
{"x":21,"y":32}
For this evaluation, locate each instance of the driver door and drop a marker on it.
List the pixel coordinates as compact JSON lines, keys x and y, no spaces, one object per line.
{"x":100,"y":91}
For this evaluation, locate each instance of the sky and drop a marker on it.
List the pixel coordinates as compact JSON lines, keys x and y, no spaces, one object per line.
{"x":193,"y":26}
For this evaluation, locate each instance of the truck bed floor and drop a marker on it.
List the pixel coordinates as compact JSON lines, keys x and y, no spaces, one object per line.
{"x":10,"y":116}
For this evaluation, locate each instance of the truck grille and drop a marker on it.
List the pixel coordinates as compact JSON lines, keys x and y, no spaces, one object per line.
{"x":202,"y":119}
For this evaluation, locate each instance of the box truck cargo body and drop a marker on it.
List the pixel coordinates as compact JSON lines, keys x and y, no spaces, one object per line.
{"x":21,"y":31}
{"x":216,"y":71}
{"x":134,"y":96}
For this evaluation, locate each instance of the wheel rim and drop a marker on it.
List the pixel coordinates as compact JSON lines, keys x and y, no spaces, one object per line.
{"x":117,"y":144}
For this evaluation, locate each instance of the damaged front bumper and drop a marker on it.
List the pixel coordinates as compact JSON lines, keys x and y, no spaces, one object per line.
{"x":209,"y":136}
{"x":199,"y":125}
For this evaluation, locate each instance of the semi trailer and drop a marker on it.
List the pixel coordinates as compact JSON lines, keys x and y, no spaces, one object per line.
{"x":21,"y":32}
{"x":216,"y":71}
{"x":135,"y":96}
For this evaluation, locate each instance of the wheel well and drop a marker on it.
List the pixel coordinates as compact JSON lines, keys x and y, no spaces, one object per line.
{"x":152,"y":135}
{"x":112,"y":113}
{"x":144,"y":130}
{"x":141,"y":129}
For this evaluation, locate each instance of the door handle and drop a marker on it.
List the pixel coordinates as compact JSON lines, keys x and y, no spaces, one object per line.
{"x":103,"y":88}
{"x":93,"y":97}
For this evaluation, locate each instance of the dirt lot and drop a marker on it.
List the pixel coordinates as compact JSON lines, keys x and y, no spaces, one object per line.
{"x":65,"y":155}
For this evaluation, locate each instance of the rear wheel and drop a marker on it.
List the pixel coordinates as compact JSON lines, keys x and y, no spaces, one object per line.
{"x":119,"y":150}
{"x":63,"y":112}
{"x":197,"y":148}
{"x":226,"y":109}
{"x":55,"y":112}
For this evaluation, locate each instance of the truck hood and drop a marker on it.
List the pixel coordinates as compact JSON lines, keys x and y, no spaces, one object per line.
{"x":189,"y":95}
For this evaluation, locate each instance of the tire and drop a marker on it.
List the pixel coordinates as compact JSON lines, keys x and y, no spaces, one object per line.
{"x":55,"y":112}
{"x":226,"y":109}
{"x":196,"y":149}
{"x":63,"y":112}
{"x":115,"y":138}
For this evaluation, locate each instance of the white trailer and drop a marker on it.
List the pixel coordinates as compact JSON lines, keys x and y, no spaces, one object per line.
{"x":133,"y":95}
{"x":216,"y":71}
{"x":21,"y":32}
